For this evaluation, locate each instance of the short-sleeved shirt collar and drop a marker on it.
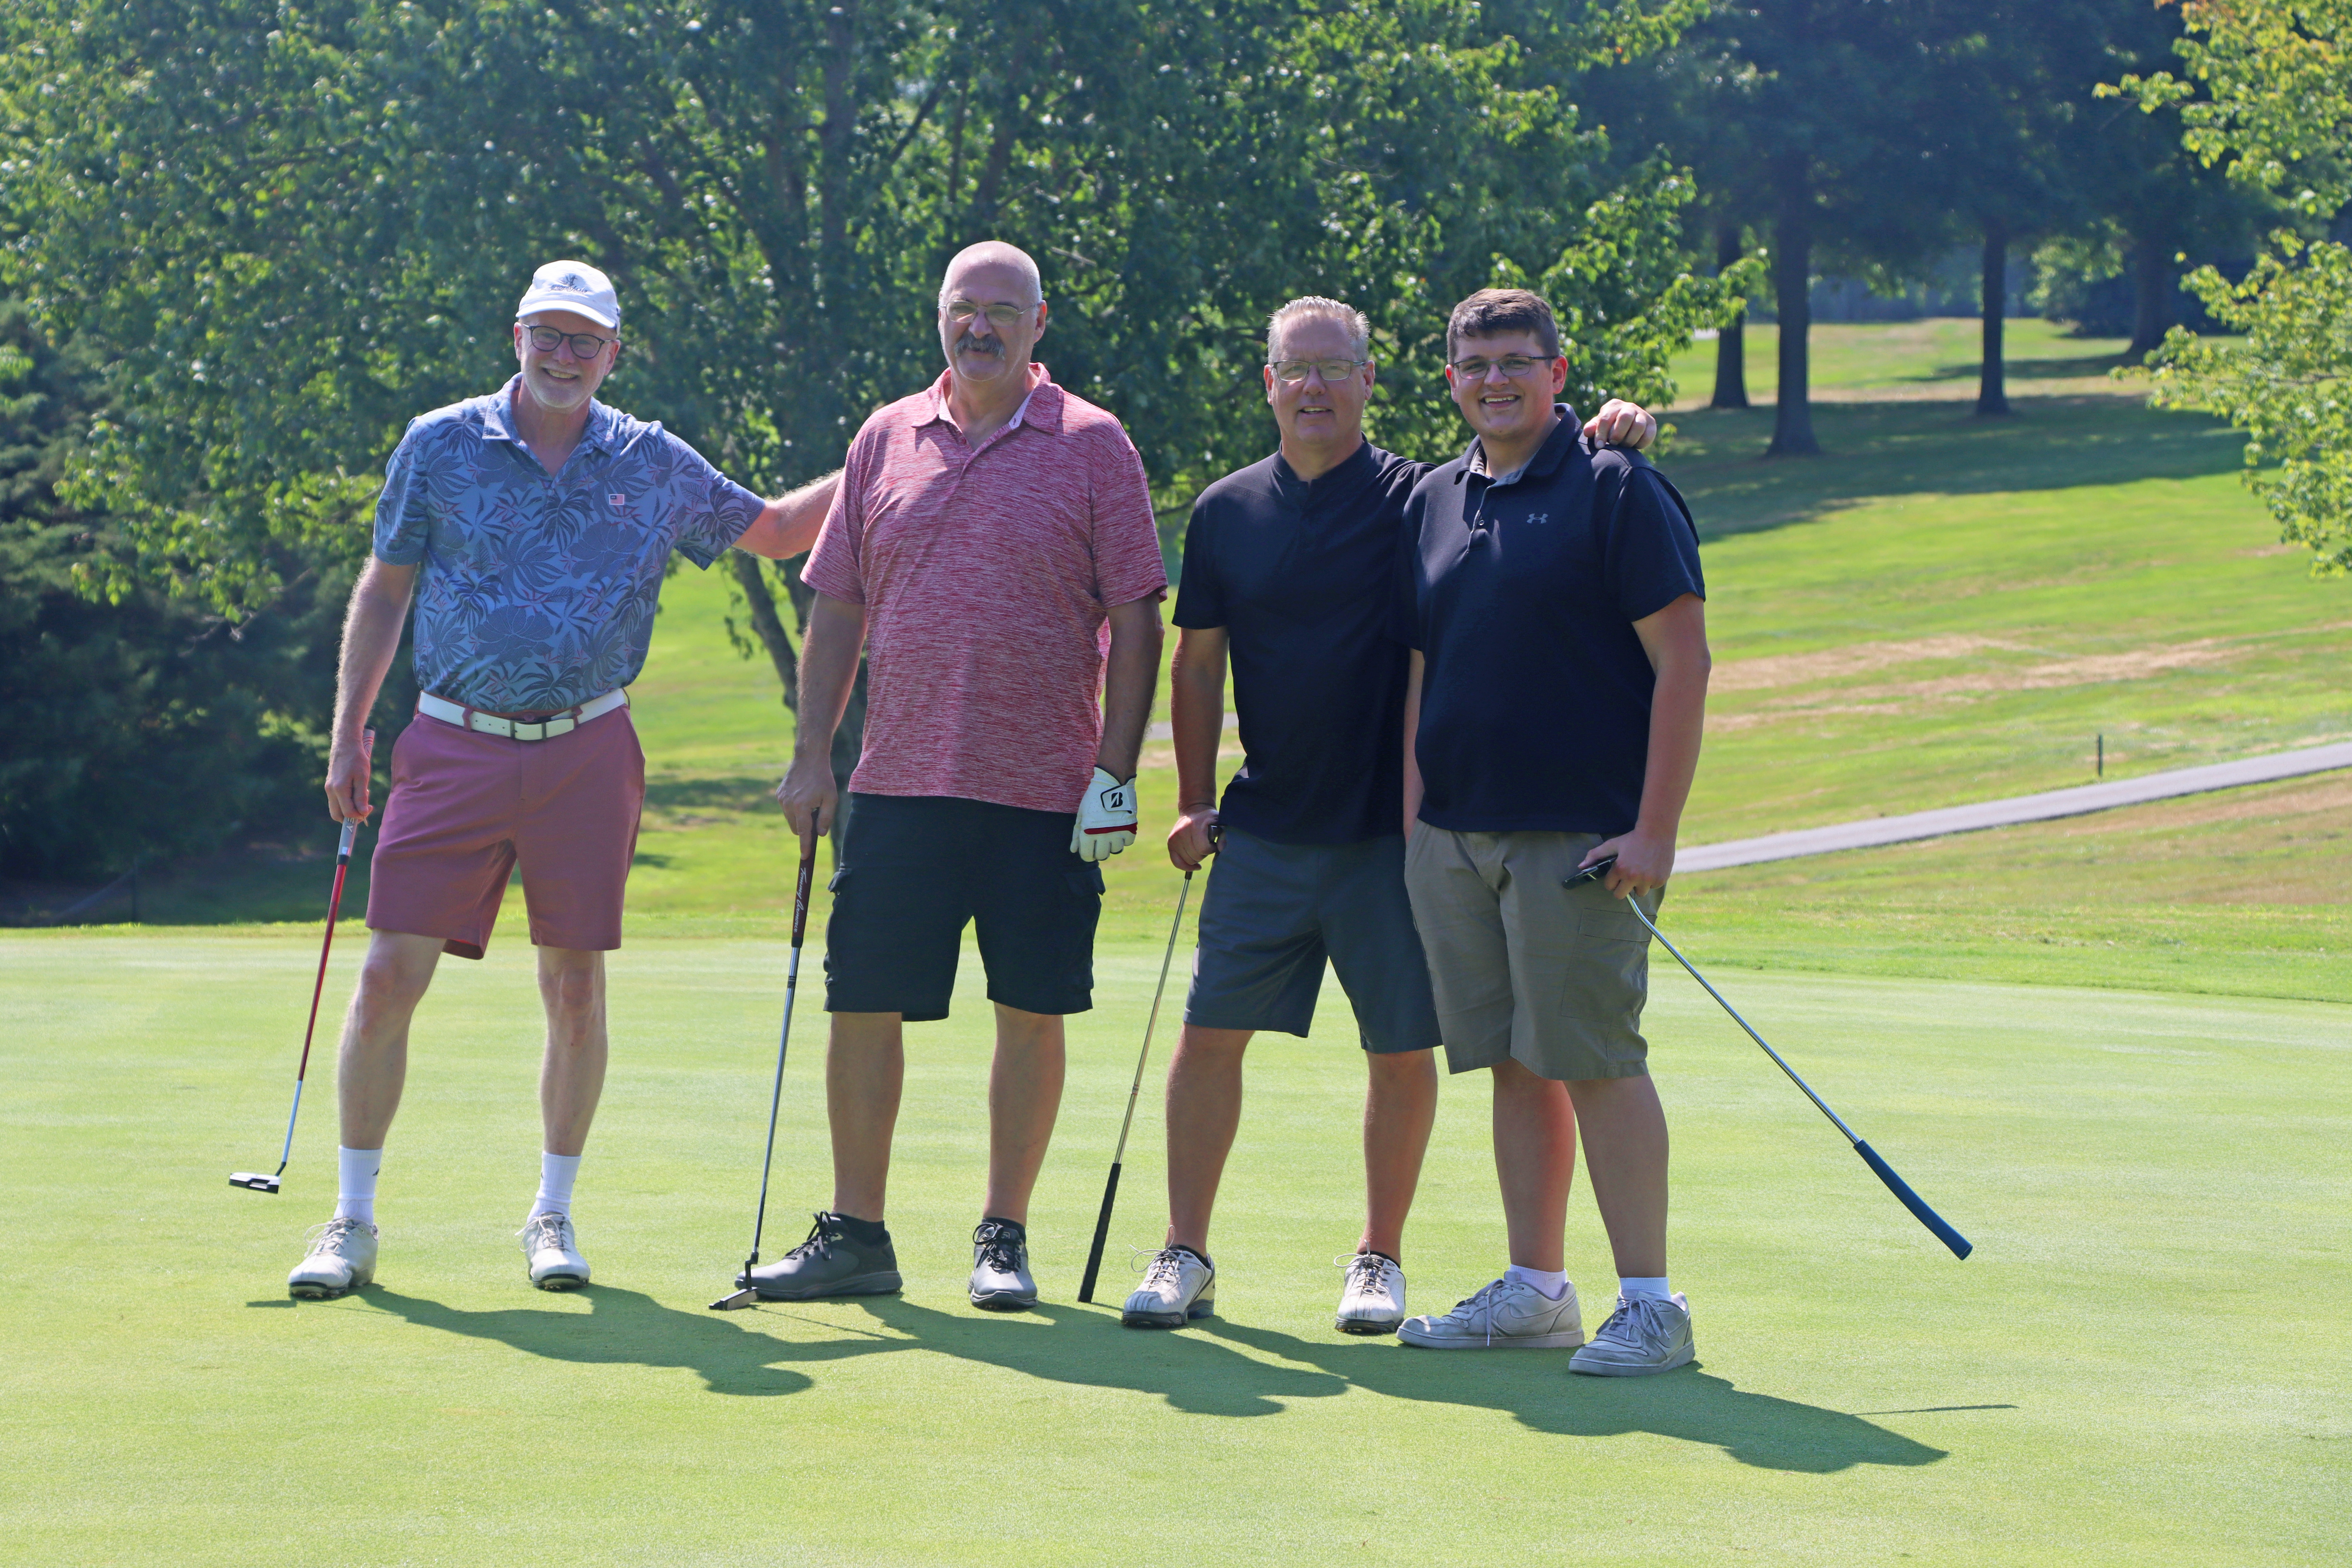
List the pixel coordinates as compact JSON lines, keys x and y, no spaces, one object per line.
{"x":1042,"y":407}
{"x":1341,"y":477}
{"x":1547,"y":457}
{"x":498,"y":420}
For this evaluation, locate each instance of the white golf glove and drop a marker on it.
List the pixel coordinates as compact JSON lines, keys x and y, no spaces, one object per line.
{"x":1106,"y":822}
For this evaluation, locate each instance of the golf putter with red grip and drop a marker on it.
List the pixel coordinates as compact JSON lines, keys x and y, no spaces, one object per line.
{"x":253,"y":1181}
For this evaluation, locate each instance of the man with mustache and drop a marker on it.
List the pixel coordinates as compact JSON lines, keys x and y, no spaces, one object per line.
{"x":533,"y":526}
{"x":1552,"y":597}
{"x":1290,"y":568}
{"x":994,"y":547}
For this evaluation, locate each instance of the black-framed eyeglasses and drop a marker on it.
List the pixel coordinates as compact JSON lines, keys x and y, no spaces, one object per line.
{"x":1512,"y":365}
{"x":1291,"y":371}
{"x":546,"y":340}
{"x":961,"y":311}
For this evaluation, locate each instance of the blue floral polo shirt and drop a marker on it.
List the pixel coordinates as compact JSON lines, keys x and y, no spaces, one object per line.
{"x":538,"y":591}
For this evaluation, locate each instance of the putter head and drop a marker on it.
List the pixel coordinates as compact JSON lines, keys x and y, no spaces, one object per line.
{"x":253,"y":1181}
{"x":741,"y":1299}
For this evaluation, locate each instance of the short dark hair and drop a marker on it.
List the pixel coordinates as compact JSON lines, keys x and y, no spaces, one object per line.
{"x":1493,"y":311}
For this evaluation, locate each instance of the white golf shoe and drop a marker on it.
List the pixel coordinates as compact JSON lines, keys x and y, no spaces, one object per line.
{"x":553,"y":1252}
{"x":1179,"y":1284}
{"x":1371,"y":1300}
{"x":342,"y":1260}
{"x":1505,"y":1315}
{"x":1644,"y":1334}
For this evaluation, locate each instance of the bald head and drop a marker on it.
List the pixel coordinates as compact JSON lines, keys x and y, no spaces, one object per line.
{"x":995,"y":265}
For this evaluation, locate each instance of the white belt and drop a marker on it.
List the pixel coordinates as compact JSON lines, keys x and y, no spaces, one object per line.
{"x":555,"y":725}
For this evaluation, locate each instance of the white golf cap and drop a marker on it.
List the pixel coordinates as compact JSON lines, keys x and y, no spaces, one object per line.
{"x":572,"y":286}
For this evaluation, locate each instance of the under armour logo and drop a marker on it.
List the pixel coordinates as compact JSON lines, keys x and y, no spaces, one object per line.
{"x":1539,"y":517}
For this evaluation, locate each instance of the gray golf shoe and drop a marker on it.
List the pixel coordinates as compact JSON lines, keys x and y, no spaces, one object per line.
{"x":1646,"y":1334}
{"x":342,"y":1260}
{"x":1001,"y":1281}
{"x":1179,"y":1284}
{"x":1371,"y":1300}
{"x":829,"y":1263}
{"x":552,"y":1252}
{"x":1505,"y":1315}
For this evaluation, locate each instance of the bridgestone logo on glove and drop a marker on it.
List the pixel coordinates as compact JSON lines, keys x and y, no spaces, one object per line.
{"x":1106,"y":823}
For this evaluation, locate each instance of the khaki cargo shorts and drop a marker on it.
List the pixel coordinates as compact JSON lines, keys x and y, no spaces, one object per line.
{"x":1523,"y":966}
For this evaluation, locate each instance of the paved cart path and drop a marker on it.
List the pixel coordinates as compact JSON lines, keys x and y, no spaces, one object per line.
{"x":2018,"y":808}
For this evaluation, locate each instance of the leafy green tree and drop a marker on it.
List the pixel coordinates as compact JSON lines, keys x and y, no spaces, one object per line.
{"x":1804,"y":121}
{"x":297,"y":227}
{"x":141,"y":723}
{"x":2276,"y":108}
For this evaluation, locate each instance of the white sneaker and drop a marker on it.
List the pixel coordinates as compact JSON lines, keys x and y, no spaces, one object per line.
{"x":1644,"y":1334}
{"x":553,"y":1252}
{"x":1178,"y":1286}
{"x":1371,"y":1300}
{"x":341,"y":1259}
{"x":1505,"y":1315}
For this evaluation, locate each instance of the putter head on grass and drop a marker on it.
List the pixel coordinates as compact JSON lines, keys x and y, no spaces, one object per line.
{"x":740,"y":1298}
{"x":254,"y":1180}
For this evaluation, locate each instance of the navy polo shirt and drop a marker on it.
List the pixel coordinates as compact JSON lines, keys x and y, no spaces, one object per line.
{"x":1521,"y":596}
{"x":1300,"y":573}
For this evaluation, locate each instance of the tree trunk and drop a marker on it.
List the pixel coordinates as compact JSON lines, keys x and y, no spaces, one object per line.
{"x":1792,"y":258}
{"x":767,"y":625}
{"x":2155,"y":305}
{"x":1993,"y":395}
{"x":1731,"y":343}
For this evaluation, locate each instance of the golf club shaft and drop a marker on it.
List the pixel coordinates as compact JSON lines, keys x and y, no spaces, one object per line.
{"x":1960,"y":1245}
{"x":1119,"y":1155}
{"x":791,"y":987}
{"x":1819,"y":1103}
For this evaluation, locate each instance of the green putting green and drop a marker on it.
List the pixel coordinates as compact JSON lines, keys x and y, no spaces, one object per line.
{"x":2144,"y":1362}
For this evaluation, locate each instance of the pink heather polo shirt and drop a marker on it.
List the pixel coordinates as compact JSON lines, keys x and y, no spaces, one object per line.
{"x":986,"y":574}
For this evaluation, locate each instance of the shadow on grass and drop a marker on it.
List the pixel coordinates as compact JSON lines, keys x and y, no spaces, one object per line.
{"x":1872,"y":451}
{"x":1200,"y":1372}
{"x":1691,"y":1406}
{"x":731,"y":1354}
{"x":735,"y":792}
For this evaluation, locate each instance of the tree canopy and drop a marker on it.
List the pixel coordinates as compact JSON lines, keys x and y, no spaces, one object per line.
{"x":2275,"y":105}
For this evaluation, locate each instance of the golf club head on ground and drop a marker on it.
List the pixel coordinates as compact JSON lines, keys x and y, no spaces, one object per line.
{"x":741,"y":1299}
{"x":253,"y":1181}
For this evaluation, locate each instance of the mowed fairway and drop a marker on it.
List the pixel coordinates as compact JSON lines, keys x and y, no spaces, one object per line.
{"x":2145,"y":1360}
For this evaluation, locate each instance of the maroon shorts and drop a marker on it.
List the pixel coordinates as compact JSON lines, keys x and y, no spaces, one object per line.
{"x":466,"y":808}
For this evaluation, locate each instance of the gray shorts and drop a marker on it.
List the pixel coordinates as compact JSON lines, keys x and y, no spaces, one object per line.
{"x":1273,"y":912}
{"x":1523,"y":966}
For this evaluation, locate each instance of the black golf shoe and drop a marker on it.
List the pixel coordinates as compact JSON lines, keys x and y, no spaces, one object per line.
{"x":833,"y":1261}
{"x":1000,"y":1266}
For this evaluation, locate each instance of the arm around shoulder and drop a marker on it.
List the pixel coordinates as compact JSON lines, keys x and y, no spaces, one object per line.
{"x":787,"y":525}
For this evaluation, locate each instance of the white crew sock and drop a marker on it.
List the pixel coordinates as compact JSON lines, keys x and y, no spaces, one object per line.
{"x":355,"y":1183}
{"x":1632,"y":1287}
{"x":556,"y":1175}
{"x":1552,"y":1282}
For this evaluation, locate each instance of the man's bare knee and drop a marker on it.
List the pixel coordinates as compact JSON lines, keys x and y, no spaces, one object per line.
{"x":394,"y":978}
{"x":1403,"y":1069}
